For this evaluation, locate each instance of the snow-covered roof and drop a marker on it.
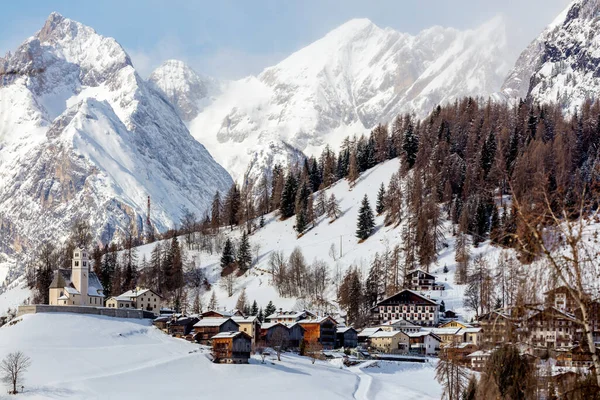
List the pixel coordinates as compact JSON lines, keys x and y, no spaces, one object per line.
{"x":386,"y":334}
{"x":368,"y":331}
{"x":269,"y":325}
{"x":446,"y":331}
{"x":71,"y":290}
{"x":134,"y":293}
{"x":345,"y":329}
{"x":316,"y":320}
{"x":418,"y":334}
{"x":212,"y":322}
{"x":290,"y":314}
{"x":224,"y":335}
{"x":480,"y":353}
{"x":248,"y":319}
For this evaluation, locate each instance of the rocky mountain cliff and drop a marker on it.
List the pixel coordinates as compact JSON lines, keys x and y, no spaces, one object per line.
{"x":343,"y":84}
{"x":82,"y":135}
{"x":562,"y":65}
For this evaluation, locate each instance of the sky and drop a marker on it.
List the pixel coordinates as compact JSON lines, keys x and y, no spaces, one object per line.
{"x":231,"y":39}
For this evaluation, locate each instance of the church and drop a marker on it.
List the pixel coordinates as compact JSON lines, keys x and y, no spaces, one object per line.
{"x":77,"y":286}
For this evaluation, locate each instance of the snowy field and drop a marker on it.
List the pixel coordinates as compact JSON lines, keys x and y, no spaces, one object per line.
{"x":91,"y":357}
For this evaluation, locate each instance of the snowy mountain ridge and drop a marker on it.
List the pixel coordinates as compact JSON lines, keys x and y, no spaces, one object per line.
{"x":343,"y":84}
{"x":562,"y":65}
{"x":82,"y":135}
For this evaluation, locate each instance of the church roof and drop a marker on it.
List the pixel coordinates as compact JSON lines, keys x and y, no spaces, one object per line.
{"x":62,"y":279}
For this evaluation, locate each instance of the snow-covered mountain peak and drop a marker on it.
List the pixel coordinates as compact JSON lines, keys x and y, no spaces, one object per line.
{"x":345,"y":83}
{"x":78,"y":44}
{"x":187,"y":90}
{"x":562,"y":65}
{"x":82,"y":135}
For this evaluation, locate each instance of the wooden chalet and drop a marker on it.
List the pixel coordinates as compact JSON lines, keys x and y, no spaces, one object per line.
{"x":408,"y":305}
{"x":296,"y":334}
{"x":289,"y":317}
{"x":182,"y":326}
{"x":206,"y":328}
{"x":249,"y":325}
{"x":346,"y":337}
{"x":419,"y":279}
{"x":161,"y":323}
{"x":221,"y":314}
{"x":322,"y":330}
{"x":577,"y":356}
{"x":231,"y":347}
{"x":271,"y":332}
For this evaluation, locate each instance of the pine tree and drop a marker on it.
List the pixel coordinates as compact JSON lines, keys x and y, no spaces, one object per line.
{"x":244,"y":256}
{"x":227,"y":258}
{"x":269,"y":309}
{"x":366,"y":221}
{"x":242,"y":301}
{"x":301,"y":221}
{"x":260,"y":315}
{"x":288,"y":196}
{"x":216,"y":210}
{"x":380,"y":207}
{"x":321,"y":206}
{"x":353,"y":169}
{"x":333,"y":208}
{"x":254,"y":309}
{"x":213,"y":304}
{"x":410,"y":145}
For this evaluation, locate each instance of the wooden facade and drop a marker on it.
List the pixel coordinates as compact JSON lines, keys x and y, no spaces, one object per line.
{"x":322,"y":330}
{"x":346,"y":337}
{"x":206,"y":328}
{"x":182,"y":326}
{"x":231,"y":347}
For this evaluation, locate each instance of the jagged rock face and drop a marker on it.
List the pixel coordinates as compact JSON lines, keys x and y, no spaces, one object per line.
{"x":184,"y":88}
{"x":82,"y":135}
{"x":355,"y":77}
{"x":562,"y":65}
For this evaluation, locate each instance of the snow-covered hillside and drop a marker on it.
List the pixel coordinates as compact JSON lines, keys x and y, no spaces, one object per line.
{"x":317,"y":244}
{"x":82,"y":135}
{"x":562,"y":65}
{"x":92,"y":357}
{"x":345,"y":83}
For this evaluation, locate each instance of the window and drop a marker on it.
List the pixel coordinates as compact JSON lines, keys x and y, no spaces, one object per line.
{"x":76,"y":254}
{"x":77,"y":263}
{"x":84,"y":263}
{"x":121,"y":305}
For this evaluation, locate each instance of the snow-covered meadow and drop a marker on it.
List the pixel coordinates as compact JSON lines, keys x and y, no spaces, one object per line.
{"x":91,"y":357}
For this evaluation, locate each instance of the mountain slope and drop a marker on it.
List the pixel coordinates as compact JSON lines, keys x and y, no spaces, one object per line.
{"x":184,"y":88}
{"x":82,"y":135}
{"x":345,"y":83}
{"x":562,"y":65}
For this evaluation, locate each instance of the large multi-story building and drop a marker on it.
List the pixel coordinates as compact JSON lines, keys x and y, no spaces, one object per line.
{"x":408,"y":305}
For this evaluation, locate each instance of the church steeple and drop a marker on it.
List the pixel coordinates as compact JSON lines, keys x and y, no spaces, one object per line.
{"x":80,"y":273}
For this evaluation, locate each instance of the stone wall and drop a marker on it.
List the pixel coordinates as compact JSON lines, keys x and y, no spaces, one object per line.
{"x":109,"y":312}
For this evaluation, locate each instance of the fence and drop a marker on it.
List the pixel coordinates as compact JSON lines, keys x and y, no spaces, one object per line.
{"x":109,"y":312}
